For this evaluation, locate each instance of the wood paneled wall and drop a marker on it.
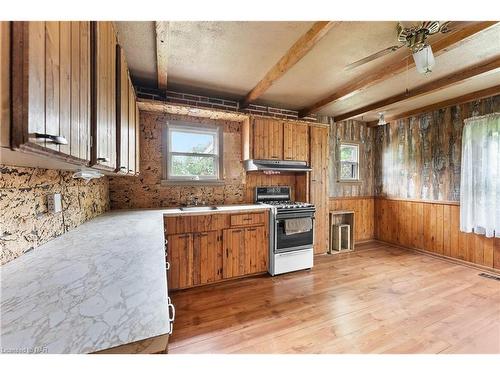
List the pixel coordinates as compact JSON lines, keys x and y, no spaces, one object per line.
{"x":355,"y":132}
{"x":419,"y":157}
{"x":434,"y":227}
{"x":364,"y":214}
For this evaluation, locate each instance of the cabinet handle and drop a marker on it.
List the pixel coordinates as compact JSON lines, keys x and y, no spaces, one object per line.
{"x":171,"y":318}
{"x":57,"y":139}
{"x":247,"y":219}
{"x":130,"y":170}
{"x":104,"y":160}
{"x":202,"y":234}
{"x":237,"y":231}
{"x":123,"y":167}
{"x":184,"y":236}
{"x":227,"y":252}
{"x":251,"y":229}
{"x":167,"y":265}
{"x":274,"y":157}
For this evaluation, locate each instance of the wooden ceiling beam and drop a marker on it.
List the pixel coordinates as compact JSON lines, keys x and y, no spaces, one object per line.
{"x":162,"y":35}
{"x":296,"y":52}
{"x":438,"y":84}
{"x":476,"y":95}
{"x":447,"y":43}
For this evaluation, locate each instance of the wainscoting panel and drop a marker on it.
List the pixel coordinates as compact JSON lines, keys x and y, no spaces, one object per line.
{"x":364,"y":214}
{"x":433,"y":227}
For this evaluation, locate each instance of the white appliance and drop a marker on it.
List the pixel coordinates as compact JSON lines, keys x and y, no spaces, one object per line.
{"x":290,"y":250}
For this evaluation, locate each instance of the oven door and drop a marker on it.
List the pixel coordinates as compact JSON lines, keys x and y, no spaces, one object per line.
{"x":291,"y":242}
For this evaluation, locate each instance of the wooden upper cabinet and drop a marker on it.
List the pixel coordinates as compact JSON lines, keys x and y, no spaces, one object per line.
{"x":104,"y":117}
{"x":51,"y":87}
{"x":122,"y":111}
{"x":5,"y":28}
{"x":132,"y":129}
{"x":127,"y":119}
{"x":267,"y":138}
{"x":296,"y":141}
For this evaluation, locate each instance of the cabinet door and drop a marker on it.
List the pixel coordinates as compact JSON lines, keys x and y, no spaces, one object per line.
{"x":104,"y":142}
{"x":5,"y":83}
{"x":207,"y":257}
{"x":51,"y":89}
{"x":319,"y":186}
{"x":267,"y":139}
{"x":295,"y":141}
{"x":180,"y":257}
{"x":234,"y":253}
{"x":256,"y":249}
{"x":137,"y":138}
{"x":122,"y":112}
{"x":131,"y":129}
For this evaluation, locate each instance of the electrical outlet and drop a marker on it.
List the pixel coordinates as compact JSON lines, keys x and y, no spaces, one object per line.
{"x":54,"y":203}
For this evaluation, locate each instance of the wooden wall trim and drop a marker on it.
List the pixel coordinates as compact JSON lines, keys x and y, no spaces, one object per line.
{"x":352,"y":198}
{"x":449,"y":203}
{"x":444,"y":257}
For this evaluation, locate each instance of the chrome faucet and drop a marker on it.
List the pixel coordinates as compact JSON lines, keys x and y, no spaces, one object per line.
{"x":195,"y":201}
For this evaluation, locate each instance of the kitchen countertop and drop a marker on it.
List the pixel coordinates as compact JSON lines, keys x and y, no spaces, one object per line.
{"x":100,"y":285}
{"x":220,"y":209}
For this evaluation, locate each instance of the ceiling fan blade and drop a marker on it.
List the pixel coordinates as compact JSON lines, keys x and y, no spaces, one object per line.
{"x":450,"y":26}
{"x":373,"y":57}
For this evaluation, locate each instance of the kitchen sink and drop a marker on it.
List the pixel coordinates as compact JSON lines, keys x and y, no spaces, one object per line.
{"x":198,"y":208}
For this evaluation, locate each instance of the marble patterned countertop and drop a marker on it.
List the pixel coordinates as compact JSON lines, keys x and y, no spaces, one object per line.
{"x":220,"y":209}
{"x":97,"y":286}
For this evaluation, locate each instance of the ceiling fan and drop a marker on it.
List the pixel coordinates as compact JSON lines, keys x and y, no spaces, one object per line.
{"x":413,"y":37}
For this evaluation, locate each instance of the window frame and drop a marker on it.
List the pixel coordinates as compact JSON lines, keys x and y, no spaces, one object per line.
{"x":188,"y":127}
{"x":357,"y":163}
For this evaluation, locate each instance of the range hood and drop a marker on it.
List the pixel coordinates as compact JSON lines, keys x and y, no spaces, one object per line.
{"x":276,"y":165}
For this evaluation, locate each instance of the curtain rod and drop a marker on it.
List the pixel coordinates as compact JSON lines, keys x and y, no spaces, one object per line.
{"x":483,"y":116}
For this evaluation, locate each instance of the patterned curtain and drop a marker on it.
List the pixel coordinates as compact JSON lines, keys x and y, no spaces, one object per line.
{"x":480,"y":177}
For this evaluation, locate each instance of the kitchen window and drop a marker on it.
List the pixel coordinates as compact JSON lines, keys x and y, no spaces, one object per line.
{"x":349,"y":162}
{"x":192,"y":152}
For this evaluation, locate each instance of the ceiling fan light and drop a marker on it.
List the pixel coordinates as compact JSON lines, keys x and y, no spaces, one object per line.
{"x":381,"y":119}
{"x":424,"y":60}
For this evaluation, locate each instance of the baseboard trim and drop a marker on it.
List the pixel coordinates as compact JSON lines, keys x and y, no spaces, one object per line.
{"x":479,"y":267}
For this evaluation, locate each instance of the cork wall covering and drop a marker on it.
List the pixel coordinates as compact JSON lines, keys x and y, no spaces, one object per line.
{"x":25,"y":222}
{"x":148,"y":191}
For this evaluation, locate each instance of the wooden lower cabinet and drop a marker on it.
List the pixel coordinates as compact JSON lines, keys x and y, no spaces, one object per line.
{"x":245,"y":251}
{"x":221,"y":252}
{"x":234,"y":253}
{"x":180,"y":257}
{"x":194,"y":258}
{"x":207,"y":257}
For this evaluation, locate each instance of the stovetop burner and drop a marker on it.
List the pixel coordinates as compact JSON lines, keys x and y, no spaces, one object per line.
{"x":278,"y":196}
{"x":288,"y":204}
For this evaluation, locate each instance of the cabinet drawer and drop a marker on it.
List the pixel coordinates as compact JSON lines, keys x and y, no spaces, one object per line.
{"x":248,"y":219}
{"x":195,"y":223}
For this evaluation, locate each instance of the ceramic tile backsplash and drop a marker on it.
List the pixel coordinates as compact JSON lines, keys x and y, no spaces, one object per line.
{"x":25,"y":222}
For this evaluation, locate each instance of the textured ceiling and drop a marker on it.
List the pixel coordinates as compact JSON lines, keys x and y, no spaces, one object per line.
{"x":229,"y":58}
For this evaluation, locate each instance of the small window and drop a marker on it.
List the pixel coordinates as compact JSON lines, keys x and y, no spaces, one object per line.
{"x":192,"y":152}
{"x":349,"y":162}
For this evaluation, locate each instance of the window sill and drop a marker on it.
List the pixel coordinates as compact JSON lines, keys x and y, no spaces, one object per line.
{"x":192,"y":182}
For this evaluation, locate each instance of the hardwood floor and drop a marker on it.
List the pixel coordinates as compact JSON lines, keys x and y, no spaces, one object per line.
{"x":379,"y":299}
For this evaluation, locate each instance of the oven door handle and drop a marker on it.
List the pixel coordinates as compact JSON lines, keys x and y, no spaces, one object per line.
{"x":289,"y":253}
{"x":295,"y":216}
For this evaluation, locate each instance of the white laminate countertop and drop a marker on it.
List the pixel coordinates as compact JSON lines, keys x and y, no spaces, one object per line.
{"x":220,"y":209}
{"x":100,"y":285}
